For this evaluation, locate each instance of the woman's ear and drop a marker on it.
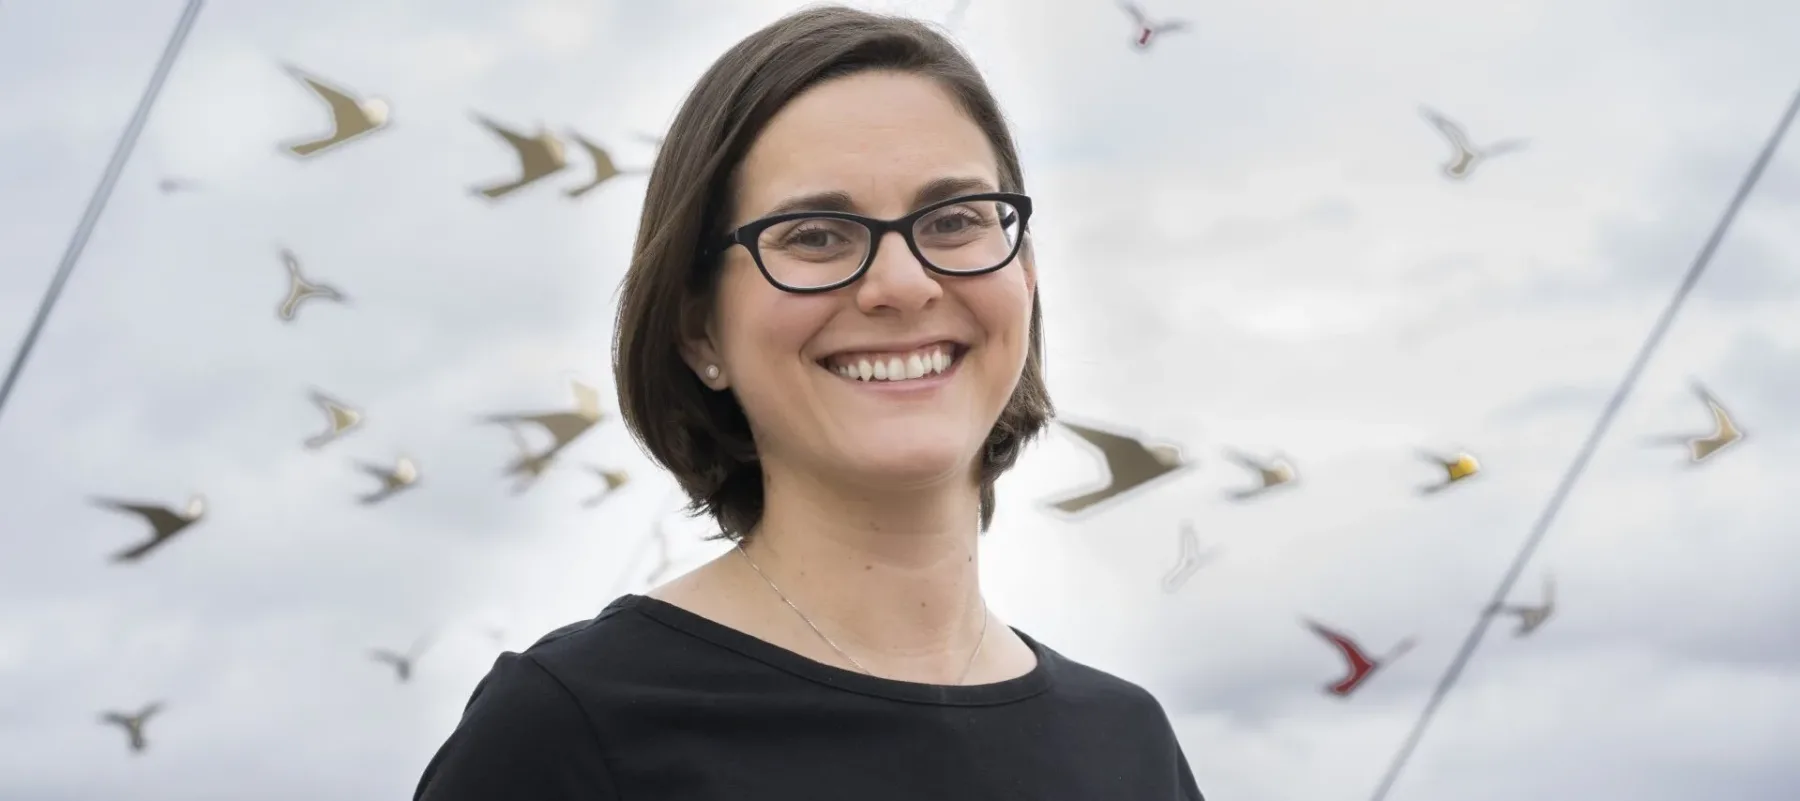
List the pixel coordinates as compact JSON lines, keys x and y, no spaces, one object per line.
{"x":703,"y":358}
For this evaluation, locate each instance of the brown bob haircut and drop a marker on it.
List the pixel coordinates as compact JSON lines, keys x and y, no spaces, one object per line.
{"x":699,"y":434}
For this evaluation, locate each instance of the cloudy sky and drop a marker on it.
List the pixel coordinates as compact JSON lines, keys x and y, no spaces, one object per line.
{"x":1244,"y":242}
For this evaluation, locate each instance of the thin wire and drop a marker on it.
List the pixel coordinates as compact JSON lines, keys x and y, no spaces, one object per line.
{"x":102,"y":193}
{"x":1563,"y":488}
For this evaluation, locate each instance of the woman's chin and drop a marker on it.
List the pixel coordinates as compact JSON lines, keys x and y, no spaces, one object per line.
{"x":902,"y":463}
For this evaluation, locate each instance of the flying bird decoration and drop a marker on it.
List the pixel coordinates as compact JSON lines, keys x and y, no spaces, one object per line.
{"x":564,"y":427}
{"x":540,"y":156}
{"x":1465,"y":154}
{"x":1361,"y":665}
{"x":1147,"y":29}
{"x":604,"y":168}
{"x":1189,"y":560}
{"x":1702,"y":447}
{"x":1131,"y":463}
{"x":164,"y":522}
{"x":1530,"y":616}
{"x":402,"y":476}
{"x":351,"y":117}
{"x":133,"y":724}
{"x":340,"y":419}
{"x":1457,"y":469}
{"x":1270,"y":474}
{"x":612,"y":479}
{"x":301,"y":290}
{"x":402,"y":663}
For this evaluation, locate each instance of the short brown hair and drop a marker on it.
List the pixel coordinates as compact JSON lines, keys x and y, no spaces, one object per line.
{"x":699,"y":434}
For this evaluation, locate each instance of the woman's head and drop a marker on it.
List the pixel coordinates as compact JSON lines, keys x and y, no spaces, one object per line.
{"x":883,"y":358}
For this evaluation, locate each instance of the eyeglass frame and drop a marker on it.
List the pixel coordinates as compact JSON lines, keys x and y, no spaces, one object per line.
{"x":748,"y":234}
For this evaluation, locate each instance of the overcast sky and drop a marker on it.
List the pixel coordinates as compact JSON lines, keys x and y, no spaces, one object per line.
{"x":1244,"y":242}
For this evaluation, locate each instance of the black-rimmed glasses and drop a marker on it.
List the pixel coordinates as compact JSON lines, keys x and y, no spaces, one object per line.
{"x":818,"y":251}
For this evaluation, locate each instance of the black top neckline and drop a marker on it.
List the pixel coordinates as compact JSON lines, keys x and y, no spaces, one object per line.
{"x":1019,"y":688}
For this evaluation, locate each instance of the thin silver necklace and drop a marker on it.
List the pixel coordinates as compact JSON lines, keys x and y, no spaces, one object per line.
{"x":979,"y":641}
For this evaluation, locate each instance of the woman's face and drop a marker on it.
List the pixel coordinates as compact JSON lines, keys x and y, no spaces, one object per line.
{"x":888,"y":143}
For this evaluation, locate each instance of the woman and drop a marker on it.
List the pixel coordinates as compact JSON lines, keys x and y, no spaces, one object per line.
{"x":829,"y":333}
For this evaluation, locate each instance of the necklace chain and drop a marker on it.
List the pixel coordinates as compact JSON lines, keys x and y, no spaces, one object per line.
{"x":979,"y":641}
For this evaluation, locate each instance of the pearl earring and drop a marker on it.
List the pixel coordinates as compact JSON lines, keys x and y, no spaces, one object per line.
{"x":712,"y":372}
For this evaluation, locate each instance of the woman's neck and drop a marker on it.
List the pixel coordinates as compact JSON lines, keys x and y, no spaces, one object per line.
{"x":894,"y":581}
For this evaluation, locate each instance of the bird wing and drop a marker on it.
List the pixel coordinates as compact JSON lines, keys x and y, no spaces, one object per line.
{"x":1352,"y":653}
{"x":116,"y":718}
{"x":383,"y":473}
{"x":148,"y":711}
{"x":603,"y":163}
{"x":160,"y":518}
{"x":1190,"y":541}
{"x":519,"y":141}
{"x":1167,"y":26}
{"x":1723,"y":426}
{"x":384,"y":655}
{"x":1128,"y":461}
{"x":1549,"y":591}
{"x":345,"y":111}
{"x":292,"y":263}
{"x":1137,"y":14}
{"x":1451,"y":131}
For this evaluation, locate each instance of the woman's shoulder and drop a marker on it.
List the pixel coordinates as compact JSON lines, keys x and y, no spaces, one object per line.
{"x":1080,"y":683}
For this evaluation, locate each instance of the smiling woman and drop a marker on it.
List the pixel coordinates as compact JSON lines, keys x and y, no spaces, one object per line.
{"x":830,"y":335}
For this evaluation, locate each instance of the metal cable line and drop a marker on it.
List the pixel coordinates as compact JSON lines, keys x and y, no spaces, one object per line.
{"x":1586,"y":452}
{"x":102,"y":193}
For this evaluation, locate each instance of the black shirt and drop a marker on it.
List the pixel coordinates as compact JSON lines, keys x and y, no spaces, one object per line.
{"x":650,"y":702}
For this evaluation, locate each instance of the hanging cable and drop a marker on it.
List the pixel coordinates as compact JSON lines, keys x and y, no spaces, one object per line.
{"x":102,"y":193}
{"x":1573,"y":474}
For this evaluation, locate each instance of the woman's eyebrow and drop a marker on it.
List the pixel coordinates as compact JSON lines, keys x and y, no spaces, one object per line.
{"x":834,"y":200}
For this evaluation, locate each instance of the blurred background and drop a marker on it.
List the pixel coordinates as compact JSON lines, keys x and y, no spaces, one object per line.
{"x":1245,"y":241}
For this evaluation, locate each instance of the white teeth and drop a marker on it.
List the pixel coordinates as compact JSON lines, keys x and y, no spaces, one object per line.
{"x":896,"y":368}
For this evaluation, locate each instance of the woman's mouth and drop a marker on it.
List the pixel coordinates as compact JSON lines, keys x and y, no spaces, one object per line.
{"x":890,"y":366}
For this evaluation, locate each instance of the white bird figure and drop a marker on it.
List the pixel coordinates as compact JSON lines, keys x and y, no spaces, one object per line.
{"x":133,"y":724}
{"x":402,"y":476}
{"x":340,"y":419}
{"x":1190,"y":560}
{"x":164,"y":523}
{"x":1271,"y":473}
{"x":1530,"y":617}
{"x":1702,"y":447}
{"x":351,"y":117}
{"x":402,"y":663}
{"x":1147,"y":29}
{"x":1465,"y":153}
{"x":300,"y":290}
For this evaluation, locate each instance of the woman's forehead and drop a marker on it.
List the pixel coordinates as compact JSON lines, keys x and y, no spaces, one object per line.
{"x":889,"y":140}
